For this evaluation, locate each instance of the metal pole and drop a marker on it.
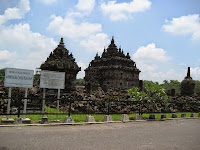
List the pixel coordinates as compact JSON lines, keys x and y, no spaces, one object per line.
{"x":25,"y":103}
{"x":108,"y":106}
{"x":19,"y":103}
{"x":9,"y":100}
{"x":69,"y":113}
{"x":58,"y":97}
{"x":43,"y":102}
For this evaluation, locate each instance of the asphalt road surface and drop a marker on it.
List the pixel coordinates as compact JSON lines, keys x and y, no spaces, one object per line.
{"x":149,"y":135}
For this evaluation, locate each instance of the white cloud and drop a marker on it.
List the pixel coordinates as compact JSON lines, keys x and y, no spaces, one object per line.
{"x":184,"y":25}
{"x":5,"y":55}
{"x":151,"y":53}
{"x":22,"y":47}
{"x":70,"y":28}
{"x":16,"y":12}
{"x":81,"y":73}
{"x":48,"y":2}
{"x":30,"y":48}
{"x":124,"y":11}
{"x":95,"y":42}
{"x":195,"y":73}
{"x":88,"y":35}
{"x":24,"y":39}
{"x":150,"y":60}
{"x":159,"y":76}
{"x":154,"y":65}
{"x":85,"y":5}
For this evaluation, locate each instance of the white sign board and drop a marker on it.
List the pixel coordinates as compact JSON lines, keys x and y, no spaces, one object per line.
{"x":52,"y":79}
{"x":18,"y":78}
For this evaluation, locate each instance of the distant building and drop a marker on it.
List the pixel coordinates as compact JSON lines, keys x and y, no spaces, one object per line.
{"x":60,"y":60}
{"x":113,"y":69}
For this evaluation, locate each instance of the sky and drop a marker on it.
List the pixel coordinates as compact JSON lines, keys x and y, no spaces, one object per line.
{"x":161,"y":36}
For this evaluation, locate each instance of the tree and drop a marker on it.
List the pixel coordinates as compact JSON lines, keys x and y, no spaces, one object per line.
{"x":151,"y":94}
{"x":137,"y":95}
{"x":80,"y":82}
{"x":2,"y":74}
{"x":150,"y":97}
{"x":149,"y":83}
{"x":197,"y":86}
{"x":156,"y":94}
{"x":173,"y":84}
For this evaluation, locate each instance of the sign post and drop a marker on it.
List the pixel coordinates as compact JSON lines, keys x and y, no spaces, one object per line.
{"x":43,"y":102}
{"x":58,"y":97}
{"x":52,"y":80}
{"x":9,"y":100}
{"x":18,"y":78}
{"x":25,"y":103}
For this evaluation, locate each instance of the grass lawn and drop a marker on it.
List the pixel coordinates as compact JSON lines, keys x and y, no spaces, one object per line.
{"x":98,"y":118}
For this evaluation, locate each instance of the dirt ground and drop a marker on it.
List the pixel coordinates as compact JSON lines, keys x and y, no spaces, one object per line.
{"x":149,"y":135}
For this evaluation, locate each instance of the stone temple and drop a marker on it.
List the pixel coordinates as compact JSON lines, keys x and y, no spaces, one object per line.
{"x":113,"y":70}
{"x":60,"y":60}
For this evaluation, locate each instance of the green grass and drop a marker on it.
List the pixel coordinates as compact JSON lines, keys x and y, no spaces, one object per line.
{"x":98,"y":118}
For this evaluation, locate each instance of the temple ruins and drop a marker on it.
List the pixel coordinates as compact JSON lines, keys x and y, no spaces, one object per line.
{"x":113,"y":70}
{"x":60,"y":60}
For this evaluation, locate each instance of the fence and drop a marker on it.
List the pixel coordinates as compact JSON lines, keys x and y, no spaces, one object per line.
{"x":66,"y":106}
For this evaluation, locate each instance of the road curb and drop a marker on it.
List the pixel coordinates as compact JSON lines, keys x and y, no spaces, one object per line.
{"x":91,"y":123}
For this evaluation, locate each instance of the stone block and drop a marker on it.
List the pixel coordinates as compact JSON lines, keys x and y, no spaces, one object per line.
{"x":183,"y":115}
{"x":174,"y":115}
{"x":107,"y":118}
{"x":192,"y":115}
{"x":11,"y":121}
{"x":18,"y":121}
{"x":68,"y":120}
{"x":124,"y":118}
{"x":163,"y":116}
{"x":152,"y":117}
{"x":90,"y":119}
{"x":138,"y":117}
{"x":45,"y":120}
{"x":26,"y":120}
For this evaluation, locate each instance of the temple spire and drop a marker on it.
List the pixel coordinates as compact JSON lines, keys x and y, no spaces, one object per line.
{"x":61,"y":41}
{"x":112,"y":41}
{"x":188,"y":73}
{"x":128,"y":56}
{"x":120,"y":50}
{"x":61,"y":44}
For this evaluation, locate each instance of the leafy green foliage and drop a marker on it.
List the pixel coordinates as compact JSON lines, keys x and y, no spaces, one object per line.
{"x":149,"y":83}
{"x":2,"y":74}
{"x":156,"y":94}
{"x":80,"y":82}
{"x":151,"y":94}
{"x":197,"y":86}
{"x":137,"y":95}
{"x":172,"y":84}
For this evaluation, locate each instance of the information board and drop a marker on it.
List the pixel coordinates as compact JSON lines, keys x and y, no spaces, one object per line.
{"x":52,"y":79}
{"x":18,"y":78}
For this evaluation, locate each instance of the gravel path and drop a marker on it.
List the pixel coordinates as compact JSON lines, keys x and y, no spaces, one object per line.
{"x":149,"y":135}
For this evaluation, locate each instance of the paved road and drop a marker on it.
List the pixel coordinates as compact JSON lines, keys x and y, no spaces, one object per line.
{"x":149,"y":135}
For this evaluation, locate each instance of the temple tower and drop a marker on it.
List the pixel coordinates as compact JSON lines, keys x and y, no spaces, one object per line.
{"x":113,"y":69}
{"x":60,"y":60}
{"x":187,"y":85}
